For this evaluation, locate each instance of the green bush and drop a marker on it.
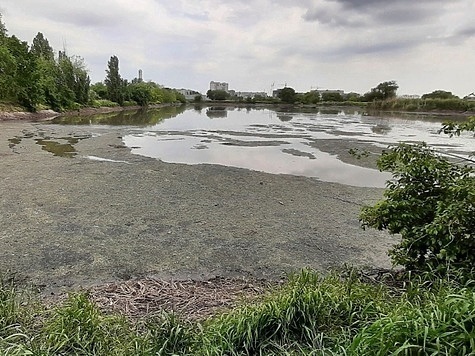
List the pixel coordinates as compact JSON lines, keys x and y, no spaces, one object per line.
{"x":430,"y":202}
{"x":104,"y":103}
{"x":129,"y":103}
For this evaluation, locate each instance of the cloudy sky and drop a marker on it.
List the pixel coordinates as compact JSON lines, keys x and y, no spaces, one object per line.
{"x":353,"y":45}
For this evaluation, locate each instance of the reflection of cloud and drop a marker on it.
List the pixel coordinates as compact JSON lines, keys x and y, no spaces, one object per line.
{"x":256,"y":141}
{"x":266,"y":159}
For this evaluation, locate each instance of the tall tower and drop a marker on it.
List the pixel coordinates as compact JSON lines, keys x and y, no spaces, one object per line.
{"x":140,"y":75}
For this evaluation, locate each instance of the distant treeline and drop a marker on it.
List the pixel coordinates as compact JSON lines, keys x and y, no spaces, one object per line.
{"x":381,"y":97}
{"x":34,"y":77}
{"x":424,"y":105}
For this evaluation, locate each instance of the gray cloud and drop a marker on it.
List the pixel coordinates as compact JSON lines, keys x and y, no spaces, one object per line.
{"x":350,"y":44}
{"x":467,"y":32}
{"x":367,"y":13}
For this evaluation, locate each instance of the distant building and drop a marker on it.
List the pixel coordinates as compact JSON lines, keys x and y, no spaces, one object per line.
{"x":219,"y":86}
{"x":250,"y":94}
{"x":330,"y":91}
{"x":410,"y":96}
{"x":189,"y":94}
{"x":470,"y":97}
{"x":275,"y":93}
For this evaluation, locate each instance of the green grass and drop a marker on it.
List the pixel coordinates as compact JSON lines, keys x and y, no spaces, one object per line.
{"x":336,"y":314}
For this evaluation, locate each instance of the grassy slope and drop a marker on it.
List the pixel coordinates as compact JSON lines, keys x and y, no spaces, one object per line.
{"x":309,"y":315}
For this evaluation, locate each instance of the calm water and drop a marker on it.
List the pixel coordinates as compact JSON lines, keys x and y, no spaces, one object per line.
{"x":270,"y":141}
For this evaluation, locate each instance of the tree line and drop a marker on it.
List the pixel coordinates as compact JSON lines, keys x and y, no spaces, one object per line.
{"x":34,"y":77}
{"x":381,"y":97}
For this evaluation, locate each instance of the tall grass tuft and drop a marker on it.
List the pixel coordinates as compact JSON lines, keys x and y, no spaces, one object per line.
{"x":168,"y":334}
{"x":444,"y":324}
{"x":13,"y":338}
{"x":311,"y":311}
{"x":80,"y":328}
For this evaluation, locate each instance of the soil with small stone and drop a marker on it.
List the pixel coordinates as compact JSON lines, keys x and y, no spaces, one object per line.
{"x":69,"y":221}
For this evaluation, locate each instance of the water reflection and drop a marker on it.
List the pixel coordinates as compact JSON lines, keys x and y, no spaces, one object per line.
{"x":216,"y":112}
{"x":284,"y":141}
{"x":301,"y":142}
{"x":141,"y":117}
{"x":381,"y":129}
{"x":284,"y":117}
{"x":58,"y":147}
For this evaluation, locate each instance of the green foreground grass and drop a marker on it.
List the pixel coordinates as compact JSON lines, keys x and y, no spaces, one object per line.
{"x":336,"y":314}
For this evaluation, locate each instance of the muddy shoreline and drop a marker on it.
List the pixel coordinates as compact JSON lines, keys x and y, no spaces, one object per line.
{"x":71,"y":222}
{"x":44,"y":115}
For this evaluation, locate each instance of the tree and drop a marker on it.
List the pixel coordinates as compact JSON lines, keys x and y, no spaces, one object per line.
{"x":440,"y":94}
{"x":217,"y":94}
{"x":114,"y":82}
{"x":383,"y":91}
{"x":81,"y":80}
{"x":430,"y":202}
{"x":332,"y":96}
{"x":40,"y":47}
{"x":311,"y":97}
{"x":287,"y":95}
{"x":100,"y":89}
{"x":353,"y":96}
{"x":25,"y":88}
{"x":8,"y":67}
{"x":141,"y":93}
{"x":3,"y":29}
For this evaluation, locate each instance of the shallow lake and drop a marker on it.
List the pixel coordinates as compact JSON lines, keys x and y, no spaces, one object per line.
{"x":273,"y":141}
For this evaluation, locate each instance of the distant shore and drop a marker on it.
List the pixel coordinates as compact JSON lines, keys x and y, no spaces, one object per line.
{"x":51,"y":114}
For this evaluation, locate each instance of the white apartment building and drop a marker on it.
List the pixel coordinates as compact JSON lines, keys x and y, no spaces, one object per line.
{"x":219,"y":86}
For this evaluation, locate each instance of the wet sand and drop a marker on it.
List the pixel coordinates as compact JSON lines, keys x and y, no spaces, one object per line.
{"x":74,"y":220}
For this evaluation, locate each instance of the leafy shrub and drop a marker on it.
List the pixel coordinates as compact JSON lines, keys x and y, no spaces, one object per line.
{"x":129,"y":103}
{"x":430,"y":202}
{"x":104,"y":103}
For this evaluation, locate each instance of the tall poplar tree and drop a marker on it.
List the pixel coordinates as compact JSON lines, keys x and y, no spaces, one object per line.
{"x":114,"y":82}
{"x":40,"y":47}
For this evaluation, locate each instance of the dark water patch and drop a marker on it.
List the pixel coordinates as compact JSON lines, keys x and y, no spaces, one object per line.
{"x":255,"y":143}
{"x":298,"y":153}
{"x":13,"y":142}
{"x":58,"y":148}
{"x":141,"y":117}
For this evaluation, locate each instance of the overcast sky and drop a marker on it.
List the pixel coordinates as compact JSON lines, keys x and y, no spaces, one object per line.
{"x":352,"y":45}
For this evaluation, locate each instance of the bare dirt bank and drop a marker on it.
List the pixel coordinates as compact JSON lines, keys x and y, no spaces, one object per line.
{"x":77,"y":221}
